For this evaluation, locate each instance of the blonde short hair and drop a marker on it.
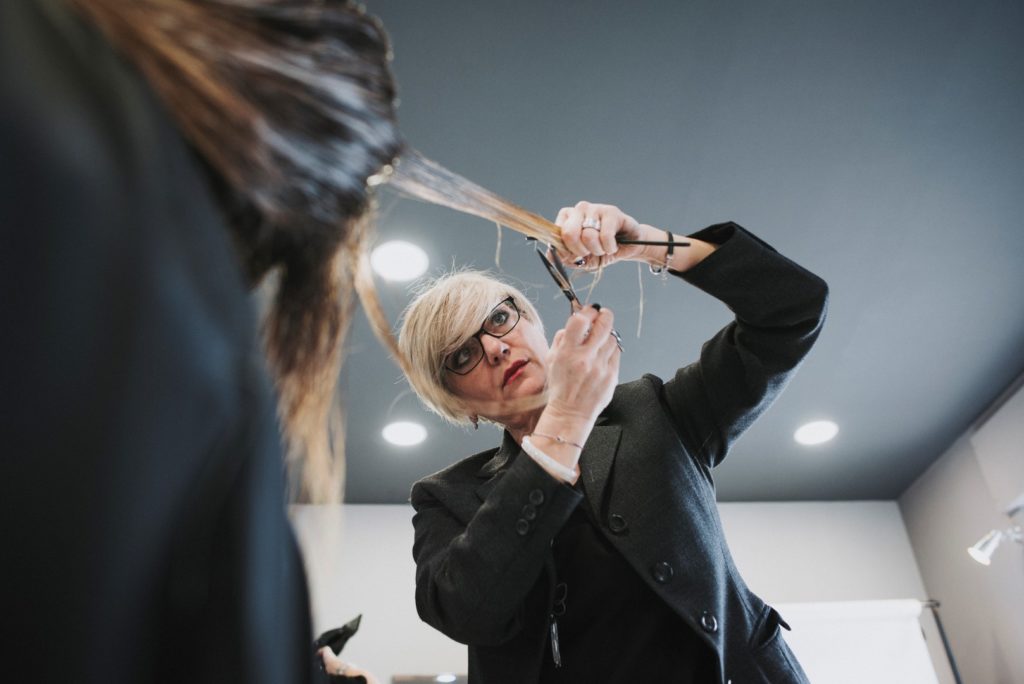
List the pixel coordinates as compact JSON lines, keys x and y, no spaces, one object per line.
{"x":446,"y":313}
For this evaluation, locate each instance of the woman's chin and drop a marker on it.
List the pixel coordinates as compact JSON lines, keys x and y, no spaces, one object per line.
{"x":526,"y":386}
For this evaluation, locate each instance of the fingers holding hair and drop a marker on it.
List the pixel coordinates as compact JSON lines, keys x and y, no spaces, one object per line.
{"x":570,"y":220}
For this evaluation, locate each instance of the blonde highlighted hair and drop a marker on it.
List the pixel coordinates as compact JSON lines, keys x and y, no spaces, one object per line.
{"x":444,"y":314}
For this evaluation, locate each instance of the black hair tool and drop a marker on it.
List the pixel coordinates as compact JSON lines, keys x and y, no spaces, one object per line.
{"x":336,"y":638}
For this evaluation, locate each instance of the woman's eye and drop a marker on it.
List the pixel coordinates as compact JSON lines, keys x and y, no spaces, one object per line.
{"x":461,"y":357}
{"x":498,"y":318}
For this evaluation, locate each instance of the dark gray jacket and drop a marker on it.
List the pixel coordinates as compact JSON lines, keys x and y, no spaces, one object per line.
{"x":484,"y":526}
{"x":141,"y":484}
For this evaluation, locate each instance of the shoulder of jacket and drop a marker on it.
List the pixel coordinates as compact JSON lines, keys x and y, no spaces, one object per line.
{"x":641,"y":391}
{"x":460,"y":472}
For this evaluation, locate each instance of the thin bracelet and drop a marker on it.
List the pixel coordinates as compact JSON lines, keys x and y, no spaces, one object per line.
{"x":563,"y":472}
{"x":556,"y":438}
{"x":660,"y":270}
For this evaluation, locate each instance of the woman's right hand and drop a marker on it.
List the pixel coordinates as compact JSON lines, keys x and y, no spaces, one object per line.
{"x":583,"y":369}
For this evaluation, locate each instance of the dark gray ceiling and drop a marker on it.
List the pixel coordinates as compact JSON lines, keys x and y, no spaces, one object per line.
{"x":879,"y":143}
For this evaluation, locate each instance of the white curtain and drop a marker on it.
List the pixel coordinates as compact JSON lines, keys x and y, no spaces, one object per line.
{"x":859,"y":642}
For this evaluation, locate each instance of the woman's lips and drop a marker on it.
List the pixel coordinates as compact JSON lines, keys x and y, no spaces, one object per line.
{"x":514,"y":371}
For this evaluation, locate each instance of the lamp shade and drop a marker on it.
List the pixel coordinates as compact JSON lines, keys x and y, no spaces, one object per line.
{"x":982,"y":551}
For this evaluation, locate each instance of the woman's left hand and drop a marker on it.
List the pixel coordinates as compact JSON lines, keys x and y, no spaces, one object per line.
{"x":590,"y":230}
{"x":334,"y":665}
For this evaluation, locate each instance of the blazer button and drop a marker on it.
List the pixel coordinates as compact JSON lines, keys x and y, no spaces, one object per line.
{"x":536,"y":497}
{"x":708,"y":622}
{"x":617,"y":524}
{"x":529,"y":512}
{"x":662,"y":572}
{"x":522,"y":527}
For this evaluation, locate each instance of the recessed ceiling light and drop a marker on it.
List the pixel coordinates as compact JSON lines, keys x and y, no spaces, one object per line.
{"x":404,"y":433}
{"x":445,"y":678}
{"x":399,"y":260}
{"x":818,"y":432}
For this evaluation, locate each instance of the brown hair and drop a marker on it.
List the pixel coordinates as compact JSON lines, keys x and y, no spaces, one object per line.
{"x":291,"y":107}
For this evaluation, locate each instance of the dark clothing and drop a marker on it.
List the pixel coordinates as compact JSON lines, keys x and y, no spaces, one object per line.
{"x":597,"y":595}
{"x":485,"y":573}
{"x":143,"y":522}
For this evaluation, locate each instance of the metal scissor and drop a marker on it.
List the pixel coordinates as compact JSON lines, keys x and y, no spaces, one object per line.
{"x":557,"y":270}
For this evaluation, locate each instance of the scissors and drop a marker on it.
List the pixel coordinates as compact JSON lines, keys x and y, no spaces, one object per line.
{"x":557,"y":271}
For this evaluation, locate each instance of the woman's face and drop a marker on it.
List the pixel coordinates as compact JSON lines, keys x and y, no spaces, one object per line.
{"x":513,"y":366}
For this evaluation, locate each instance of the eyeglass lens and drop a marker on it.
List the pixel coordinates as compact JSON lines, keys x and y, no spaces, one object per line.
{"x":499,"y":322}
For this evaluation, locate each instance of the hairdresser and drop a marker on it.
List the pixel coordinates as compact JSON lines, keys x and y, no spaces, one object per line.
{"x":148,"y":175}
{"x":587,"y":547}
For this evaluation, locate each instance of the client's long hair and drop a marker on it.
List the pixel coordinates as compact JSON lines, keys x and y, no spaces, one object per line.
{"x":290,"y":105}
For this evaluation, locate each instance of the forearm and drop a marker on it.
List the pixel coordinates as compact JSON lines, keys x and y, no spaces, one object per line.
{"x":472,"y":579}
{"x":779,"y":308}
{"x":682,"y":258}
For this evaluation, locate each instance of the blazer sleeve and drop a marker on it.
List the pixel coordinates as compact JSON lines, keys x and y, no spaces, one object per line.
{"x":780,"y":308}
{"x":473,"y":577}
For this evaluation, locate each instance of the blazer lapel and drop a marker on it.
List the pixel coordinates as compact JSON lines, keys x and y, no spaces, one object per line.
{"x":493,"y":469}
{"x":596,"y":464}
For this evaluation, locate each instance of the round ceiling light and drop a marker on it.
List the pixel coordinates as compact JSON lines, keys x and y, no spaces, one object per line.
{"x":445,"y":678}
{"x":404,"y":433}
{"x":399,"y":260}
{"x":818,"y":432}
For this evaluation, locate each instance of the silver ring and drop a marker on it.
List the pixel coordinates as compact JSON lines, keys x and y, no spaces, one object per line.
{"x":594,"y":223}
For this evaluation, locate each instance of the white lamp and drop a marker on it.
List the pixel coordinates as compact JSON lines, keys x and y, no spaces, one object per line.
{"x":982,"y":551}
{"x":984,"y":548}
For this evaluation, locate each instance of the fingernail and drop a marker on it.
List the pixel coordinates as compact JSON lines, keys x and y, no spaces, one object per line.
{"x":596,"y":306}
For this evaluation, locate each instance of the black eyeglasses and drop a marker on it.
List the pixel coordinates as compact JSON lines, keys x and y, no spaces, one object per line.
{"x":499,"y":322}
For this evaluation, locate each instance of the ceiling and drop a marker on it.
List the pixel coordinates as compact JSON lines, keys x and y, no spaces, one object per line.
{"x":880,"y":144}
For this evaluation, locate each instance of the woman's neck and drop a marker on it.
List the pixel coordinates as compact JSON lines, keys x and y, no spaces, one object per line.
{"x":523,"y":425}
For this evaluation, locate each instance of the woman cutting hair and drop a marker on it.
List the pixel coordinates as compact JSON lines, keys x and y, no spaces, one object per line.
{"x":588,"y":547}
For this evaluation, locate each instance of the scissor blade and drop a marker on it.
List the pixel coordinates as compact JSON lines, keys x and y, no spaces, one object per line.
{"x":560,"y":280}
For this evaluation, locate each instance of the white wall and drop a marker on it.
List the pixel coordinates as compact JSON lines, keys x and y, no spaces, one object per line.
{"x":957,"y":500}
{"x":359,"y":560}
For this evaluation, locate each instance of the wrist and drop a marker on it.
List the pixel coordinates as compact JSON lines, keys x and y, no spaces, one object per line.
{"x":559,"y":469}
{"x":571,"y":426}
{"x":653,"y":255}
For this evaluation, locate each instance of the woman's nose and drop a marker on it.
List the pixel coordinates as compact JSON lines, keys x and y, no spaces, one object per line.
{"x":494,"y":348}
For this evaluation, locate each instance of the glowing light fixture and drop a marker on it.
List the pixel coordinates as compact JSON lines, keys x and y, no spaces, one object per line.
{"x":404,"y":433}
{"x":818,"y":432}
{"x":445,"y":678}
{"x":398,"y":260}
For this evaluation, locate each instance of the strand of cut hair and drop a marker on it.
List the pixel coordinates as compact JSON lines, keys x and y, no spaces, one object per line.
{"x":420,"y":178}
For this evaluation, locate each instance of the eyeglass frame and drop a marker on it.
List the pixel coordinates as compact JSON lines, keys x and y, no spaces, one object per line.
{"x":511,"y":300}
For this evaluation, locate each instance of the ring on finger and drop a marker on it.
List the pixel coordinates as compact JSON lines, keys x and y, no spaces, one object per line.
{"x":591,"y":222}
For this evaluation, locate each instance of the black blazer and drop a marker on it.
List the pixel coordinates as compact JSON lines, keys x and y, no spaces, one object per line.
{"x":483,"y":527}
